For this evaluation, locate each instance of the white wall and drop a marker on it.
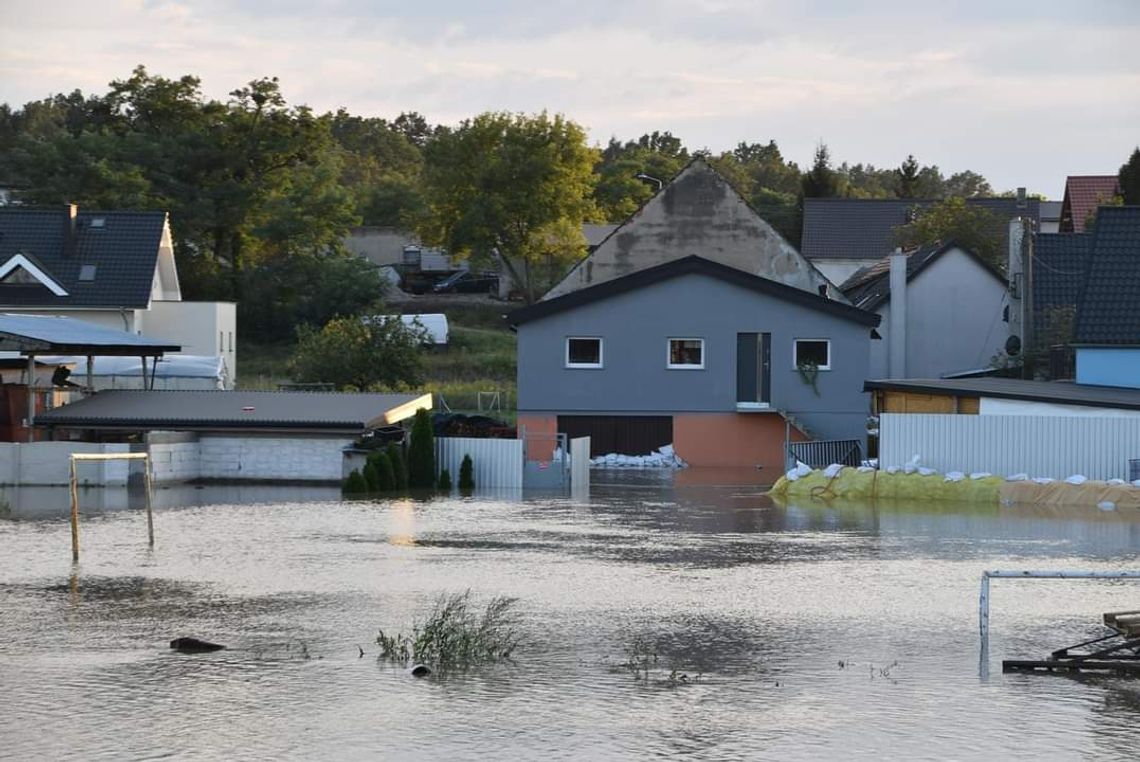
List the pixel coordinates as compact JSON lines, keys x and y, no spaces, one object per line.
{"x":292,"y":458}
{"x":992,"y":406}
{"x":202,"y":328}
{"x":1055,"y":446}
{"x":50,"y":463}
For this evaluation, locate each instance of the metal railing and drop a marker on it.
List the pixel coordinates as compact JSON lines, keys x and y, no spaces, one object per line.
{"x":821,"y":454}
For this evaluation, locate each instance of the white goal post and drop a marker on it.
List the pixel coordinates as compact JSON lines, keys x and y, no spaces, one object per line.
{"x":87,"y":457}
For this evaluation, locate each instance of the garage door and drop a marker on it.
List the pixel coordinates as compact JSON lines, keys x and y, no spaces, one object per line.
{"x":623,"y":434}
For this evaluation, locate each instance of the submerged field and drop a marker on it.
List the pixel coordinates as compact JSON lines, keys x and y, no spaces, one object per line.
{"x":655,"y":620}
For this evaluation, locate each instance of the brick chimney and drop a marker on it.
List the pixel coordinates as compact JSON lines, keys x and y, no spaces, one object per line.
{"x":70,"y":230}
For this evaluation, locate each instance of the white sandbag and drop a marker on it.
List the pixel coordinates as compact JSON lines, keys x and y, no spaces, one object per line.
{"x":980,"y":475}
{"x":924,"y":471}
{"x":1017,"y":478}
{"x":833,"y":470}
{"x":1076,"y":479}
{"x":1043,"y":480}
{"x":955,"y":476}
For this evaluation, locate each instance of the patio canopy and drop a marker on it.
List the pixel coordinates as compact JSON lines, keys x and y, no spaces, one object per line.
{"x":49,"y":334}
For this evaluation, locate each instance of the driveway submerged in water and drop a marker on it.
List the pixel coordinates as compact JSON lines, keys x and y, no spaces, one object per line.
{"x":802,"y":631}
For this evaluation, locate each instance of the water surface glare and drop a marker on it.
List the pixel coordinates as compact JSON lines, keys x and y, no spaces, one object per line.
{"x":803,"y":632}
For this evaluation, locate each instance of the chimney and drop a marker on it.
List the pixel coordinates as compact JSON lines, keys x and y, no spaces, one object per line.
{"x":1021,"y":205}
{"x":70,"y":229}
{"x":896,"y":339}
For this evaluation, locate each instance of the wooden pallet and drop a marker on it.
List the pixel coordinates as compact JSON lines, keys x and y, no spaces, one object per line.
{"x":1118,"y":652}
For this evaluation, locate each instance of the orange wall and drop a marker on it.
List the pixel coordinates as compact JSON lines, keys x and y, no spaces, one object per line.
{"x":737,"y":440}
{"x":543,"y":448}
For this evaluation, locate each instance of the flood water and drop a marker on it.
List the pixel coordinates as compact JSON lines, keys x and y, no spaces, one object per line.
{"x":804,"y":631}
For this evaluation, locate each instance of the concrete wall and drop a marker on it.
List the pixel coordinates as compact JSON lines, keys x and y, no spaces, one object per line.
{"x":202,"y":328}
{"x":698,"y":213}
{"x":839,"y":269}
{"x":635,"y":327}
{"x":272,"y":458}
{"x":954,"y":320}
{"x":1109,"y":366}
{"x":47,"y":463}
{"x":174,"y":456}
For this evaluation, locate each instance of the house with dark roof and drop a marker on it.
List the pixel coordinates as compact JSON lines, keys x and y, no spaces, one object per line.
{"x":722,"y":363}
{"x":111,"y":268}
{"x":842,"y":235}
{"x":1107,"y":334}
{"x":951,"y":303}
{"x":697,"y":213}
{"x":1083,"y":194}
{"x":1060,"y":261}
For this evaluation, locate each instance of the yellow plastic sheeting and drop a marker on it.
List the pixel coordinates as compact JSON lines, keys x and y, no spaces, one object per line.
{"x":852,"y":484}
{"x":1063,"y":493}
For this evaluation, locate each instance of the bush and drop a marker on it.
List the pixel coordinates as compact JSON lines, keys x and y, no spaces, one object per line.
{"x":455,"y":636}
{"x":382,"y":466}
{"x":445,"y":480}
{"x":466,"y":474}
{"x":354,"y":484}
{"x":399,"y":469}
{"x":371,"y":476}
{"x":421,"y":453}
{"x":356,"y":353}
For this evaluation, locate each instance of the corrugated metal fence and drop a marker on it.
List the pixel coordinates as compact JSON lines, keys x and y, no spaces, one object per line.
{"x":497,"y":463}
{"x":1052,"y":446}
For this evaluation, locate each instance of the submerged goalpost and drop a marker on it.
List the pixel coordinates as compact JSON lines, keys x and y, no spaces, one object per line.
{"x":80,"y":457}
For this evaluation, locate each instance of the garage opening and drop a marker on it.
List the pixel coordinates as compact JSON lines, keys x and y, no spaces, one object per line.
{"x":621,"y":434}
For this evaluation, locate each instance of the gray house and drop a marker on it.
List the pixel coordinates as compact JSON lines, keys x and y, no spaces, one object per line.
{"x":700,"y":354}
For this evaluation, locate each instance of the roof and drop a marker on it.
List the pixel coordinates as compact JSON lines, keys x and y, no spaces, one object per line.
{"x":1107,"y":311}
{"x":697,"y":212}
{"x":172,"y":366}
{"x":1059,"y":264}
{"x":870,"y":286}
{"x":326,"y":412}
{"x":691,"y":265}
{"x":595,"y":233}
{"x":50,"y":334}
{"x":116,"y":252}
{"x":1057,"y":392}
{"x":863,"y":228}
{"x":1083,"y":193}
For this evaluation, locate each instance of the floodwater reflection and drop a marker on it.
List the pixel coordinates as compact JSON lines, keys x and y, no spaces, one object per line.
{"x":802,"y":630}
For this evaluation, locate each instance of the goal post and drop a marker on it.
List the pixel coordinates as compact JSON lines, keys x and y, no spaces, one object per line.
{"x":88,"y":457}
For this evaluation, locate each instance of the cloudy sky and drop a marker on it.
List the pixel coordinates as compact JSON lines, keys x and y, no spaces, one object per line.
{"x":1024,"y":92}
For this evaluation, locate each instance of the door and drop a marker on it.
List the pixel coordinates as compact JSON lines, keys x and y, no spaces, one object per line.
{"x":753,"y":369}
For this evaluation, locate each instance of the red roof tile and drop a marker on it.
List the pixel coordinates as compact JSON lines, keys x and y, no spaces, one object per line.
{"x":1083,"y":194}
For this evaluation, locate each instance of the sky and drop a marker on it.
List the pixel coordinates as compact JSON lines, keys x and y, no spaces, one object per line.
{"x":1023,"y":92}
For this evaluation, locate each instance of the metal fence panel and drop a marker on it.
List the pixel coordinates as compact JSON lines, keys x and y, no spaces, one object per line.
{"x":497,"y":463}
{"x":580,"y":467}
{"x":1047,"y":446}
{"x":821,"y":454}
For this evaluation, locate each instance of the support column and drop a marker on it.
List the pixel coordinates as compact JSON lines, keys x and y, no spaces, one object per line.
{"x":31,"y":414}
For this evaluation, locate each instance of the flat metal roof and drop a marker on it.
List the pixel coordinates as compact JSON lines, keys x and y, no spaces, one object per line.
{"x":208,"y":410}
{"x":49,"y":334}
{"x":1058,"y":392}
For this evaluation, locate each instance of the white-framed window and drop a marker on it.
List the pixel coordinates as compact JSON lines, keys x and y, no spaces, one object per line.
{"x":583,"y":352}
{"x":812,"y":353}
{"x":685,"y":354}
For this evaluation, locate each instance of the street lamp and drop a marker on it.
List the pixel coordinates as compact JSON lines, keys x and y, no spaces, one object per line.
{"x":649,"y":179}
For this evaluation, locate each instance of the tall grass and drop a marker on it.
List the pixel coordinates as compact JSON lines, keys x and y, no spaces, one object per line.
{"x":456,"y":635}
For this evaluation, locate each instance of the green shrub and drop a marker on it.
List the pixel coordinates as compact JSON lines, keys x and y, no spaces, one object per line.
{"x":371,"y":476}
{"x":466,"y":474}
{"x":386,"y":480}
{"x":354,"y":484}
{"x":421,"y":453}
{"x":399,"y":468}
{"x":445,"y":480}
{"x":456,"y":635}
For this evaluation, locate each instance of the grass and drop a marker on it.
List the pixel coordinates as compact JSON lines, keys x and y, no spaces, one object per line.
{"x":456,"y":635}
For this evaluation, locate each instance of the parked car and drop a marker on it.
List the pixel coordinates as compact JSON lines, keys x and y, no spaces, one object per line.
{"x":466,"y":282}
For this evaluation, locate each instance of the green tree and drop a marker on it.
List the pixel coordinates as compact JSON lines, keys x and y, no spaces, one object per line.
{"x":619,"y":191}
{"x":821,"y":181}
{"x":971,"y":227}
{"x":510,"y":185}
{"x":444,"y":480}
{"x":968,"y":184}
{"x":399,"y":466}
{"x":421,"y":452}
{"x":907,"y":177}
{"x":385,"y":478}
{"x":1129,"y":179}
{"x":355,"y":484}
{"x":357,"y":353}
{"x":466,"y":475}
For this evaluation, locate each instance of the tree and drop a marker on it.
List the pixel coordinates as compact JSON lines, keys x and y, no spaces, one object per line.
{"x":466,"y":475}
{"x":510,"y":185}
{"x":356,"y":353}
{"x":967,"y":184}
{"x":907,"y":175}
{"x":399,"y":466}
{"x":421,"y":452}
{"x":971,"y":227}
{"x":820,"y":181}
{"x":1129,"y":179}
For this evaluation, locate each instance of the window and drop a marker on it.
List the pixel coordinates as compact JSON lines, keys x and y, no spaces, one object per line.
{"x":813,"y":353}
{"x":583,"y":352}
{"x":686,"y":354}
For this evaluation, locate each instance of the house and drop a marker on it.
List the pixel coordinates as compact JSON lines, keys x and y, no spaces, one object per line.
{"x":952,"y":319}
{"x":1083,"y":194}
{"x":1107,"y":335}
{"x":386,"y":246}
{"x":843,"y":235}
{"x":698,"y":213}
{"x":115,"y":269}
{"x":724,"y":364}
{"x":1060,"y":261}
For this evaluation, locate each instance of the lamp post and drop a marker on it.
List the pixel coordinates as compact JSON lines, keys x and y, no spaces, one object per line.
{"x":650,"y":179}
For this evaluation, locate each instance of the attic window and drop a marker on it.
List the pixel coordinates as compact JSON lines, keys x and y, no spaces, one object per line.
{"x":97,"y":222}
{"x":87,"y":273}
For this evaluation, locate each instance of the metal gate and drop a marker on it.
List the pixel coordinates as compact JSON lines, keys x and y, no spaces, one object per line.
{"x":546,"y":462}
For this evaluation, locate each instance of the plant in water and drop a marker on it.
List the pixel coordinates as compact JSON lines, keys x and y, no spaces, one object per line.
{"x":384,"y":478}
{"x":354,"y":484}
{"x":466,"y":475}
{"x":456,"y":634}
{"x":371,"y":476}
{"x":445,"y":480}
{"x":421,"y":453}
{"x":399,"y":468}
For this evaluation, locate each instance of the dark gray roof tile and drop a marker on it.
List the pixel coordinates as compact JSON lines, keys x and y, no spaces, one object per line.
{"x":1108,"y":311}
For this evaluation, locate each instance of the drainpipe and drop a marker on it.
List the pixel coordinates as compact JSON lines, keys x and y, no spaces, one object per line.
{"x":896,"y":341}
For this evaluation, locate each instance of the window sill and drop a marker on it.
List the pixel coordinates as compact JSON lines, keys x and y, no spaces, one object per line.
{"x":684,"y":367}
{"x":584,"y":367}
{"x":753,"y":406}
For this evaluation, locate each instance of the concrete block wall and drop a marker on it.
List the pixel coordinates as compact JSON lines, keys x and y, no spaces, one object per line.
{"x":254,"y":458}
{"x":49,"y":463}
{"x":174,"y":461}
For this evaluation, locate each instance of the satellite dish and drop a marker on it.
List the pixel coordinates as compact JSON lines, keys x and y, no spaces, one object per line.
{"x":1013,"y":346}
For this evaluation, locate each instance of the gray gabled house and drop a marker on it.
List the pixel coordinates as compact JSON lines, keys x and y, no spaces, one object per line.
{"x":721,"y":363}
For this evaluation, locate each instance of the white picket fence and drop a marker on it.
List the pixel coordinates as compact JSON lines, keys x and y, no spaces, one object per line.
{"x":497,"y":463}
{"x":1052,"y":446}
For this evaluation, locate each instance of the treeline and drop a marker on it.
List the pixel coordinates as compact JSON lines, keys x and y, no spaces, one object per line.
{"x":262,"y":192}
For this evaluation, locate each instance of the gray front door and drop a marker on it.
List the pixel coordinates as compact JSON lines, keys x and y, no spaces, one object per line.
{"x":754,"y":367}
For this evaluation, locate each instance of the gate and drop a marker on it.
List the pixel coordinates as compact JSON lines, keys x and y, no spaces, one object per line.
{"x":546,"y":464}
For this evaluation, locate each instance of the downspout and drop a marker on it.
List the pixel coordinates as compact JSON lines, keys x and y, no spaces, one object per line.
{"x":123,"y":315}
{"x":896,"y":341}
